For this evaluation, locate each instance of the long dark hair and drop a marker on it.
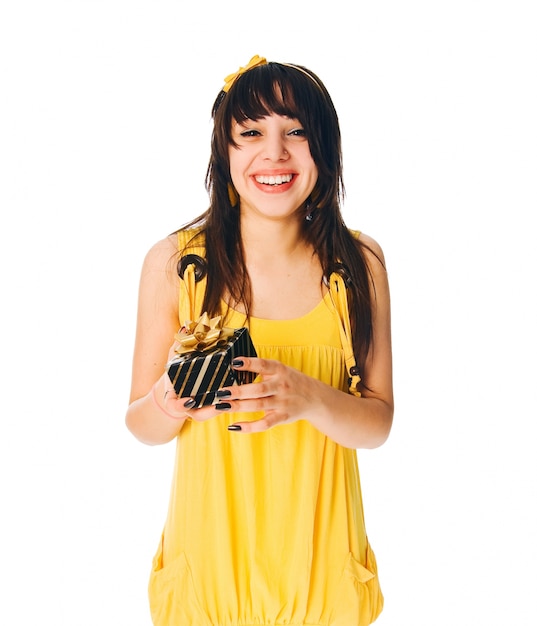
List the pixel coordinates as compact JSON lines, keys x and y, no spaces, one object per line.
{"x":296,"y":92}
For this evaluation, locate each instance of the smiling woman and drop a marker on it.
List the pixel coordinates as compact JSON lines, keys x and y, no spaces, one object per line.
{"x":265,"y":524}
{"x":270,"y":160}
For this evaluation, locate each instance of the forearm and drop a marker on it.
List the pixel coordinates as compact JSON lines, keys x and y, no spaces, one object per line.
{"x":354,"y":422}
{"x":148,"y":421}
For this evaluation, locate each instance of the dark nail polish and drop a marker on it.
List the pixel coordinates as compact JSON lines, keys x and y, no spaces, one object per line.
{"x":234,"y":427}
{"x":223,"y":393}
{"x":222,"y":406}
{"x":237,"y":362}
{"x":189,"y":404}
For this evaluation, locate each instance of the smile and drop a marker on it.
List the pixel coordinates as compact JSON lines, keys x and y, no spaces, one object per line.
{"x":274,"y":180}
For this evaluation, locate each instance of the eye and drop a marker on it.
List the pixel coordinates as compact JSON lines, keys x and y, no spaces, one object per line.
{"x":250,"y":133}
{"x":297,"y":132}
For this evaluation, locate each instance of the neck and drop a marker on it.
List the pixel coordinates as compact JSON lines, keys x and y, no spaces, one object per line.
{"x":271,"y":238}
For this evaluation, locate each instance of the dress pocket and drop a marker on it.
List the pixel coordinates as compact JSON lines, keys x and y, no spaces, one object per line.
{"x":359,"y":601}
{"x":172,"y":597}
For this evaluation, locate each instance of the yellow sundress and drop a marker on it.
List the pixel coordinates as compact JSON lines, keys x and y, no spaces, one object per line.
{"x":268,"y":528}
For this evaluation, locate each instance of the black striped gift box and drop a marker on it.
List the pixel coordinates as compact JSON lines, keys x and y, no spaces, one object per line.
{"x":200,"y":374}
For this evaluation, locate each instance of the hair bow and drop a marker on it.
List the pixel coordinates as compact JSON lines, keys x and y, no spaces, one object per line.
{"x":254,"y":62}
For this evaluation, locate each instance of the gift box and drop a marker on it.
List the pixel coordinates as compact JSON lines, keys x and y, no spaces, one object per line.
{"x":204,"y":353}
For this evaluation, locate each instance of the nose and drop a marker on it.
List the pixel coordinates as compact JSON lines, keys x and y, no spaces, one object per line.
{"x":275,"y":149}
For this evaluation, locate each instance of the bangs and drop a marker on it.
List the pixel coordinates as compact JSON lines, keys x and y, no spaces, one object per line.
{"x":270,"y":89}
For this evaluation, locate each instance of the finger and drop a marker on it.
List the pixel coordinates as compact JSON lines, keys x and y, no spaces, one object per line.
{"x":260,"y":389}
{"x":176,"y":403}
{"x":258,"y":405}
{"x":255,"y":364}
{"x":269,"y":420}
{"x":203,"y":413}
{"x":173,"y":405}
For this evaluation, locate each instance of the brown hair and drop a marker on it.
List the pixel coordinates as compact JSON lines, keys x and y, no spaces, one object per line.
{"x":296,"y":92}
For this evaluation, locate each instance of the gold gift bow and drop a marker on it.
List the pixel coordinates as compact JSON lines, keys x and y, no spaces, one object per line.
{"x":203,"y":334}
{"x":253,"y":62}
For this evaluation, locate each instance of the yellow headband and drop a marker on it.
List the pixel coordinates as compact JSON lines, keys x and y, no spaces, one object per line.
{"x":254,"y":62}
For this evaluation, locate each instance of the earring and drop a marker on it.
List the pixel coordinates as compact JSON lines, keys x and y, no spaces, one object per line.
{"x":309,"y":211}
{"x":233,"y":197}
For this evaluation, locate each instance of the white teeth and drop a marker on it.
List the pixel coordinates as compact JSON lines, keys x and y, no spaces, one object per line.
{"x":274,"y":180}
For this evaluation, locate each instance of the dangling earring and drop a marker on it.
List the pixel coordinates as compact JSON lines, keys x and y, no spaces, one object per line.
{"x":309,"y":210}
{"x":233,"y":197}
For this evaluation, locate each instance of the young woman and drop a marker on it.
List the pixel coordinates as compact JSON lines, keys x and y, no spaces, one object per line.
{"x":265,"y":522}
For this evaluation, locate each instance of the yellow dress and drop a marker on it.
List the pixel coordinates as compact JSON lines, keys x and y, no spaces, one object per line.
{"x":268,"y":528}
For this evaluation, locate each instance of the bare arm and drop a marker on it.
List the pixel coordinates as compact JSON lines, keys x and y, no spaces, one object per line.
{"x":157,"y":323}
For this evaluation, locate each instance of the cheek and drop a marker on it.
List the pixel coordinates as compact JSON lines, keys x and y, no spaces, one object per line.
{"x":308,"y":159}
{"x":314,"y":173}
{"x":237,"y":161}
{"x":235,"y":173}
{"x":233,"y":165}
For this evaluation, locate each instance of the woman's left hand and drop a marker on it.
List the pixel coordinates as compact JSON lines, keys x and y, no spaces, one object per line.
{"x":283,"y":394}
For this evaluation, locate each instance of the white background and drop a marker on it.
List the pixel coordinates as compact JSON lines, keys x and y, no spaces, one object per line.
{"x":104,"y":142}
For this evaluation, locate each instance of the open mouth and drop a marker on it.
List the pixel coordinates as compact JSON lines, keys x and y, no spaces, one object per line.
{"x":280,"y":179}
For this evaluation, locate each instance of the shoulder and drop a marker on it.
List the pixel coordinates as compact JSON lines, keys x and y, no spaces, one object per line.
{"x":168,"y":248}
{"x":371,"y":247}
{"x":159,"y":268}
{"x":374,"y":258}
{"x":159,"y":280}
{"x":161,"y":253}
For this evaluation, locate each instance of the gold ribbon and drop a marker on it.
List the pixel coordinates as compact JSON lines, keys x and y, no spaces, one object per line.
{"x":253,"y":62}
{"x":202,"y":335}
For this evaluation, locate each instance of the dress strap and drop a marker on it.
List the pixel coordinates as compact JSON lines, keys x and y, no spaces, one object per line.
{"x":338,"y":294}
{"x":193,"y":273}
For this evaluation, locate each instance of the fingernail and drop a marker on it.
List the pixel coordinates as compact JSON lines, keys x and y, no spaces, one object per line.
{"x":237,"y":362}
{"x":223,"y":393}
{"x":234,"y":427}
{"x":223,"y":406}
{"x":189,"y":404}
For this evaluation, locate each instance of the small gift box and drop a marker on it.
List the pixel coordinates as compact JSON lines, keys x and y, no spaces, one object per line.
{"x":202,"y":364}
